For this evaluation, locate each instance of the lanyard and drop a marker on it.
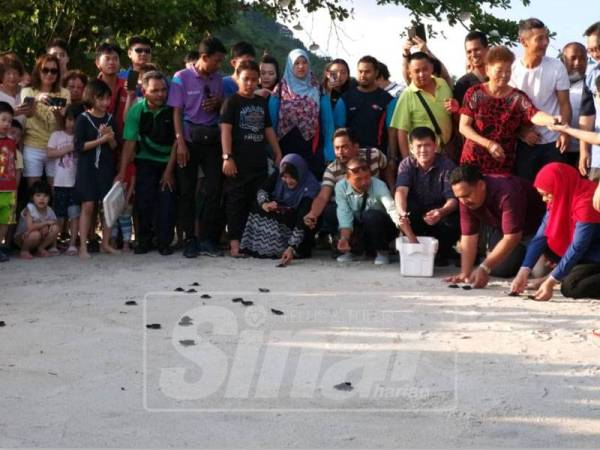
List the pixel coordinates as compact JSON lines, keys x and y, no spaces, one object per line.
{"x":98,"y":147}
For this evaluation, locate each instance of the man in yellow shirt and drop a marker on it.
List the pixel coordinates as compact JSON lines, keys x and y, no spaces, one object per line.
{"x":410,"y":112}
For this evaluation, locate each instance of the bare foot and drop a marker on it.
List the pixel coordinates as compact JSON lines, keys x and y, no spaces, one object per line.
{"x":42,"y":252}
{"x":126,"y":248}
{"x":109,"y":250}
{"x":83,"y":253}
{"x":26,"y":255}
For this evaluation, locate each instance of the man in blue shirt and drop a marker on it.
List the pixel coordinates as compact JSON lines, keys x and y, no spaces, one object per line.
{"x":242,"y":51}
{"x":366,"y":213}
{"x":139,"y":50}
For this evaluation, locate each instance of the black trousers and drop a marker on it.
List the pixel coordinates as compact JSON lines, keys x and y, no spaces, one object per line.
{"x":328,"y":219}
{"x":530,"y":159}
{"x":154,"y":205}
{"x":508,"y":267}
{"x":446,"y":231}
{"x":376,"y":230}
{"x":293,"y":142}
{"x":240,"y":196}
{"x":583,"y":281}
{"x":209,"y":158}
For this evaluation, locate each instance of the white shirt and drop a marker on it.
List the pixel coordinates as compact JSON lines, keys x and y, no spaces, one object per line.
{"x":593,"y":72}
{"x":541,"y":84}
{"x":14,"y":102}
{"x":66,"y":165}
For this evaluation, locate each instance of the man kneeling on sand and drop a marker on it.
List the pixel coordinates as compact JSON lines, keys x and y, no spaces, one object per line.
{"x":497,"y":213}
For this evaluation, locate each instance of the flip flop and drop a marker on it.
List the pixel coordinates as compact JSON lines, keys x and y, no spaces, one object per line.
{"x":72,"y":251}
{"x":53,"y":251}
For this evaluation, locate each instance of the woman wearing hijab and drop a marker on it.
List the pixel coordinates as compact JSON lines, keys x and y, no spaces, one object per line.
{"x":570,"y":231}
{"x":276,"y":228}
{"x":294,"y":109}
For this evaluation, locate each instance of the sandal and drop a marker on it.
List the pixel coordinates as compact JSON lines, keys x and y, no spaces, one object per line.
{"x":53,"y":251}
{"x":72,"y":251}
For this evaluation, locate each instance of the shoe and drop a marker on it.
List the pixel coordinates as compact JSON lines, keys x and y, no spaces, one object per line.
{"x":141,"y":248}
{"x":207,"y":248}
{"x":165,"y":250}
{"x":381,"y":259}
{"x":190,"y":249}
{"x":345,"y":257}
{"x":3,"y":257}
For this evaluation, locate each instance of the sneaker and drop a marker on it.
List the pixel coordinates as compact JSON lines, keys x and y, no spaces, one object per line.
{"x":381,"y":259}
{"x":3,"y":257}
{"x":190,"y":249}
{"x":207,"y":248}
{"x":345,"y":257}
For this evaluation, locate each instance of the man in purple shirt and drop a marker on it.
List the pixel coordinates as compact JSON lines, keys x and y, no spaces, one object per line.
{"x":195,"y":95}
{"x":509,"y":207}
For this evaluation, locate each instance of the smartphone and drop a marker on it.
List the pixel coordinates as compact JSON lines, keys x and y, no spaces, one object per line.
{"x":57,"y":101}
{"x":418,"y":30}
{"x":28,"y":101}
{"x":132,"y":80}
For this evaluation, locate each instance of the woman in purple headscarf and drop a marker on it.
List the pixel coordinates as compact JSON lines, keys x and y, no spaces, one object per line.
{"x":276,"y":228}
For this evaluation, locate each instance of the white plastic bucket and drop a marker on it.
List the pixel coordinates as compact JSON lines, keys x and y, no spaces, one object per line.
{"x":416,"y":260}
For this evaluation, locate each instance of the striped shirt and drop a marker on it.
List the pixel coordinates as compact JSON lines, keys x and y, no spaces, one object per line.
{"x":336,"y":171}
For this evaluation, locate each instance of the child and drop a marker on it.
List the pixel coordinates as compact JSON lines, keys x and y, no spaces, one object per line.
{"x":245,"y":129}
{"x":8,"y":174}
{"x":125,"y":222}
{"x":60,"y":148}
{"x":94,"y":142}
{"x":37,"y":229}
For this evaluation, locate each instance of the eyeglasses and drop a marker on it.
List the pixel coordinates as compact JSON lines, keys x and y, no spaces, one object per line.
{"x":146,"y":50}
{"x":48,"y":70}
{"x":358,"y":169}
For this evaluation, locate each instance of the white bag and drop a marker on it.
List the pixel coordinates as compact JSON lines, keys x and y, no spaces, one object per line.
{"x":114,"y":203}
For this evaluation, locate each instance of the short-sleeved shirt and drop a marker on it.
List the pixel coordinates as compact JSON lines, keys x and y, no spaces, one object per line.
{"x":582,"y":105}
{"x":8,"y":165}
{"x":40,"y":126}
{"x":497,"y":119}
{"x":336,"y":171}
{"x":14,"y":102}
{"x":36,"y":215}
{"x":188,"y":91}
{"x":541,"y":84}
{"x":511,"y":204}
{"x":349,"y":202}
{"x":410,"y":113}
{"x":153,"y":131}
{"x":463,"y":84}
{"x":365,"y":113}
{"x":66,"y":165}
{"x":426,"y":189}
{"x":249,"y":118}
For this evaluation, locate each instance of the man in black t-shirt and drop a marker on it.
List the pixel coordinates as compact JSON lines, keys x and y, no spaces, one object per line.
{"x":367,"y":110}
{"x":476,"y":47}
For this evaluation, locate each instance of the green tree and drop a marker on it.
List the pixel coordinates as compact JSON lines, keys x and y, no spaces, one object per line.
{"x":176,"y":26}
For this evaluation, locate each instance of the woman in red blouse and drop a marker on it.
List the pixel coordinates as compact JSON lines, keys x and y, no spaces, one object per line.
{"x":492,"y":115}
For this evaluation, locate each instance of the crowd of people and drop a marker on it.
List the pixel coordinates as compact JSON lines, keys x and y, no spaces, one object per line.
{"x":501,"y":167}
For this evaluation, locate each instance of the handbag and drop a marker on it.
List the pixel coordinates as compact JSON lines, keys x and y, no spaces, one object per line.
{"x":204,"y":135}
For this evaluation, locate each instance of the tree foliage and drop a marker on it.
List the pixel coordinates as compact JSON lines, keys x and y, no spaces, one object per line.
{"x":176,"y":26}
{"x":471,"y":14}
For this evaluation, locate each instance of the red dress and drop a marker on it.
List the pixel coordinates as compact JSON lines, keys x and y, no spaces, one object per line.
{"x":498,"y":119}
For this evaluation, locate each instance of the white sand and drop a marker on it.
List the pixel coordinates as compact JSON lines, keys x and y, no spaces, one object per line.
{"x":445,"y":368}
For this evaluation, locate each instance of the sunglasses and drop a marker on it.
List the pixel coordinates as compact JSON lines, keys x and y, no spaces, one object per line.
{"x":142,"y":50}
{"x":358,"y":169}
{"x":48,"y":70}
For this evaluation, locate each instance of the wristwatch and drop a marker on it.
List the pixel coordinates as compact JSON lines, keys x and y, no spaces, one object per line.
{"x":227,"y":156}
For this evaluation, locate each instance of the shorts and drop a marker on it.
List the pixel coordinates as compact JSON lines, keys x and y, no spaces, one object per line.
{"x":65,"y":203}
{"x":36,"y":161}
{"x":594,"y":173}
{"x":8,"y":206}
